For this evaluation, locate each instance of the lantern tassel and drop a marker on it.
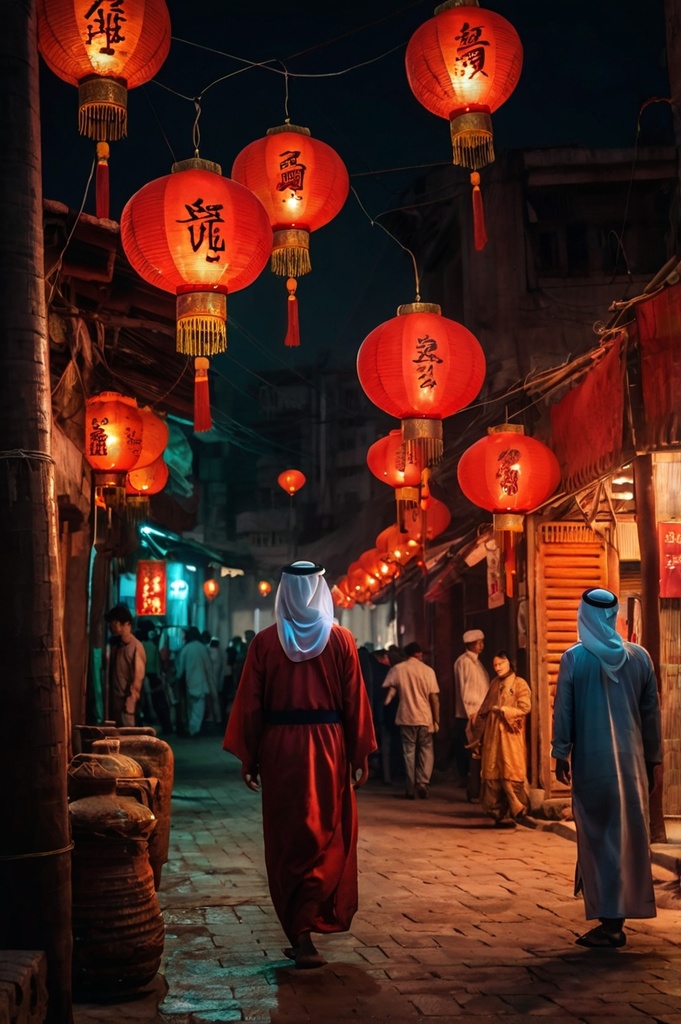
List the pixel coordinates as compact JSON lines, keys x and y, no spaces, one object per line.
{"x":479,"y":228}
{"x":102,"y":181}
{"x":202,"y":417}
{"x":292,"y":339}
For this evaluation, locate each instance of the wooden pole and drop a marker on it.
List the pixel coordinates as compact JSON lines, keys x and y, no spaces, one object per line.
{"x":35,"y":858}
{"x":646,"y":522}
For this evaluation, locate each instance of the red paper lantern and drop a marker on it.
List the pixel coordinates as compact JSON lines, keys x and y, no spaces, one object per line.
{"x":291,"y":480}
{"x":105,"y":49}
{"x":264,"y":588}
{"x":421,"y":367}
{"x":426,"y":524}
{"x":389,"y":461}
{"x":211,"y":589}
{"x":140,"y":484}
{"x":379,"y":566}
{"x":397,"y":546}
{"x":361,"y":584}
{"x":303,"y":184}
{"x":113,"y":442}
{"x":508,"y":474}
{"x":199,"y":236}
{"x":462,"y":65}
{"x":154,"y":437}
{"x":151,"y":587}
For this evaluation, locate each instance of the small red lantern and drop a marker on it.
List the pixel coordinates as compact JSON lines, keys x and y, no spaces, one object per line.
{"x":426,"y":524}
{"x":264,"y":588}
{"x":397,"y":546}
{"x":211,"y":589}
{"x":113,"y":442}
{"x":361,"y":584}
{"x":291,"y":480}
{"x":105,"y":49}
{"x":150,"y":589}
{"x":379,"y":566}
{"x":389,"y":461}
{"x":303,"y":184}
{"x":154,"y":437}
{"x":140,"y":485}
{"x":462,"y":65}
{"x":421,"y":367}
{"x":508,"y":474}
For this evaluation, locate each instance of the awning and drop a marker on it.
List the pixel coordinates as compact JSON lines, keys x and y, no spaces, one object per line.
{"x":174,"y":547}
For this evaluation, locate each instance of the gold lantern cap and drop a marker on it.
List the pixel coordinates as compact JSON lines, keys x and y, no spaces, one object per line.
{"x":196,"y":163}
{"x":419,"y":307}
{"x":297,"y":128}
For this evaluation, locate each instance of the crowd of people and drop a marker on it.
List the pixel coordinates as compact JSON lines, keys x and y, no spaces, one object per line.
{"x":310,"y":714}
{"x":186,"y":691}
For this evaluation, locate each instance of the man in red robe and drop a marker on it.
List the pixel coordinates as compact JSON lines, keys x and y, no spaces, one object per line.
{"x":301,"y":725}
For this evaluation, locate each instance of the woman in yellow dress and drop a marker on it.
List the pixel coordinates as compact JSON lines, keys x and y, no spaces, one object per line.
{"x":498,"y":734}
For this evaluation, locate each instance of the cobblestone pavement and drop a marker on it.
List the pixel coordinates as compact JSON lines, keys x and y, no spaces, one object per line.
{"x":456,"y":920}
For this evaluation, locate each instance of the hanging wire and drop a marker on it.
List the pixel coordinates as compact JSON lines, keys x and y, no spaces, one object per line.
{"x":376,"y":223}
{"x":196,"y":131}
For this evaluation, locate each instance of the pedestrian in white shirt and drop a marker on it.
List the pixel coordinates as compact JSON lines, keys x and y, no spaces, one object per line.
{"x":471,"y":683}
{"x":418,"y":716}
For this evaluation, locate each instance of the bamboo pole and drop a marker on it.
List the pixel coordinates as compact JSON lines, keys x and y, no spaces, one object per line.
{"x":35,"y":859}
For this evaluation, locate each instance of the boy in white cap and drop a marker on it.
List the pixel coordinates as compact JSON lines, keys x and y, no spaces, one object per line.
{"x":606,"y":741}
{"x":471,"y":683}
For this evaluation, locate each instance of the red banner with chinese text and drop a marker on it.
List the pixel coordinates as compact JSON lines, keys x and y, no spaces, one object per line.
{"x":669,"y":543}
{"x":151,"y":587}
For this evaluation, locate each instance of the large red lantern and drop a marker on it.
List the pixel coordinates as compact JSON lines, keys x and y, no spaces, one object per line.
{"x":303,"y":184}
{"x":421,"y":367}
{"x":426,"y":524}
{"x":291,"y":480}
{"x":508,"y":474}
{"x":198,"y":235}
{"x":390,"y":462}
{"x":462,"y":65}
{"x":104,"y":48}
{"x":113,"y":442}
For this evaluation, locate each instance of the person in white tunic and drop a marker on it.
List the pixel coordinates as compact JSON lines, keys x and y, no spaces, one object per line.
{"x":606,"y":740}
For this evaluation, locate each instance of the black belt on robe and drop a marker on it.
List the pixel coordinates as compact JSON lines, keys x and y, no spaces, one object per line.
{"x":302,"y":717}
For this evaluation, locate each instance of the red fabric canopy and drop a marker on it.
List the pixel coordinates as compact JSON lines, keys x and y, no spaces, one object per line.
{"x":659,"y":330}
{"x":587,"y":424}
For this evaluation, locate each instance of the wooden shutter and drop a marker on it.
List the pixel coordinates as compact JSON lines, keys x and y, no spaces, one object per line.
{"x":564,"y":560}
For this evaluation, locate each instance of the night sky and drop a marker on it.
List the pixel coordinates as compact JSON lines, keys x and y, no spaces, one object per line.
{"x":587,"y":71}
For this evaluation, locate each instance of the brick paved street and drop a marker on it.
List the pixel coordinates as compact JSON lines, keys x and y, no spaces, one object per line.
{"x":456,"y":920}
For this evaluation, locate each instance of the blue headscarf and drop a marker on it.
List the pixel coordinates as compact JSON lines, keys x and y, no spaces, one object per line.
{"x":596,"y":619}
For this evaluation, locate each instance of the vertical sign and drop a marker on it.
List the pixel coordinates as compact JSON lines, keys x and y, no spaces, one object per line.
{"x":669,"y":544}
{"x":150,"y":591}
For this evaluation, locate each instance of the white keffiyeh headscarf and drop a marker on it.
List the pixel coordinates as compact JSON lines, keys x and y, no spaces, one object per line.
{"x":303,"y":610}
{"x":596,"y":619}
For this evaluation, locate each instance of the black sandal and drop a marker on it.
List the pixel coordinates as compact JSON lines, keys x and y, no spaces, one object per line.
{"x":598,"y":938}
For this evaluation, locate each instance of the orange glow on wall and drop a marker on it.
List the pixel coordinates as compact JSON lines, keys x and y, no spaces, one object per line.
{"x":151,"y":587}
